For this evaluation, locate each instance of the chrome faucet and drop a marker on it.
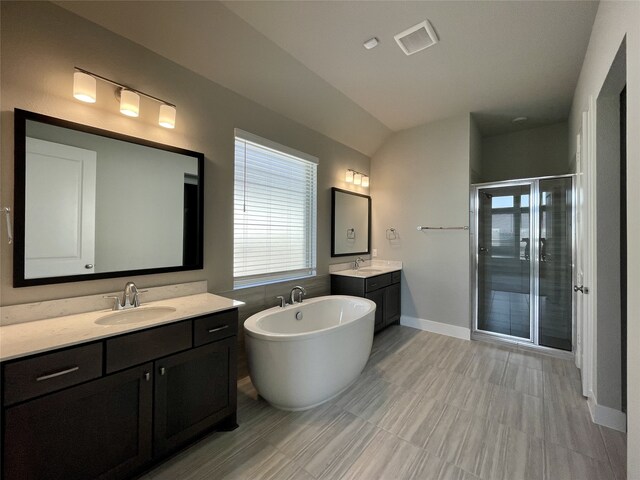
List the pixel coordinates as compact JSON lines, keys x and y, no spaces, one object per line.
{"x":130,"y":297}
{"x":356,"y":264}
{"x":301,"y":293}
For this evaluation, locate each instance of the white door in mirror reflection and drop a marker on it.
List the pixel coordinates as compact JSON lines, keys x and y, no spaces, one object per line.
{"x":59,"y":209}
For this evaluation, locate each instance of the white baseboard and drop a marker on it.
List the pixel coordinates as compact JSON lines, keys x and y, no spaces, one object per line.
{"x":606,"y":416}
{"x":436,"y":327}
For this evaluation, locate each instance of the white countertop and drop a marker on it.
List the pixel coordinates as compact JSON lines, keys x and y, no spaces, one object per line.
{"x":39,"y":336}
{"x":370,"y":269}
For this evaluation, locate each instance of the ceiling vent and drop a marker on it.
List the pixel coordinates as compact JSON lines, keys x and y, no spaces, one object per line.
{"x":417,"y":38}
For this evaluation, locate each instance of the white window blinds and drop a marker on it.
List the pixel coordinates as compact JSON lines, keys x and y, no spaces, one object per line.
{"x":274,"y":212}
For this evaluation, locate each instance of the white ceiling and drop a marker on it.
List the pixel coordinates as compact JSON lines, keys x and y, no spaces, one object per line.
{"x":305,"y":59}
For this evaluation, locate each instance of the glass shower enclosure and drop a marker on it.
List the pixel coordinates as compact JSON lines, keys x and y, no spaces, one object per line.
{"x":522,"y":256}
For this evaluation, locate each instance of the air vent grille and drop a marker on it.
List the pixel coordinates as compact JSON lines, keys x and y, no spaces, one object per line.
{"x":417,"y":38}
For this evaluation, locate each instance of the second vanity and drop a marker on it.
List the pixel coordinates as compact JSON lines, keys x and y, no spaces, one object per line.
{"x":379,"y":282}
{"x":81,"y":399}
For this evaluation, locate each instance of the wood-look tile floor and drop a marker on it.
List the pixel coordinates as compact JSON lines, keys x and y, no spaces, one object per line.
{"x":426,"y":407}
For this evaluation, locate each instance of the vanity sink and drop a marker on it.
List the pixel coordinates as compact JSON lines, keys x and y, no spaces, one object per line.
{"x":369,"y":270}
{"x":134,"y":315}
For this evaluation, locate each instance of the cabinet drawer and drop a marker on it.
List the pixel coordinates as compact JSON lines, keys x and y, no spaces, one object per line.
{"x":214,"y":327}
{"x":29,"y":378}
{"x":141,"y":347}
{"x":395,"y":277}
{"x":379,"y":281}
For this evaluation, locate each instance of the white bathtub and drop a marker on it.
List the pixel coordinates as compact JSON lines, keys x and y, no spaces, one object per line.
{"x":298,"y":364}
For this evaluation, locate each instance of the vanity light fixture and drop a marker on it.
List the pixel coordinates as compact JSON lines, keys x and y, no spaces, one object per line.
{"x":84,"y":89}
{"x":348,"y":177}
{"x":129,"y":103}
{"x":357,"y":178}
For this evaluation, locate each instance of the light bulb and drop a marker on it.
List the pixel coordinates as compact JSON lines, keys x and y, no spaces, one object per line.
{"x":357,"y":179}
{"x":129,"y":103}
{"x":84,"y":87}
{"x":349,"y":176}
{"x":167,"y":117}
{"x":365,"y":181}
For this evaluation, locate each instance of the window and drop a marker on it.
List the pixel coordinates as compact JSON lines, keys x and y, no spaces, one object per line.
{"x":274,"y":212}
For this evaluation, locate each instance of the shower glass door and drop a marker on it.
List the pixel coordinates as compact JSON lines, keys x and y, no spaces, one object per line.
{"x":504,"y":261}
{"x":555,"y":315}
{"x":523,"y":254}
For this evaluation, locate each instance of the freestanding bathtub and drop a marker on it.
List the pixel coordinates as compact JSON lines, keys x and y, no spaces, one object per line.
{"x":304,"y":354}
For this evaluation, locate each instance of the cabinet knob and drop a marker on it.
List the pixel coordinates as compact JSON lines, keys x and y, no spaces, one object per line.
{"x":147,"y":376}
{"x":162,"y":371}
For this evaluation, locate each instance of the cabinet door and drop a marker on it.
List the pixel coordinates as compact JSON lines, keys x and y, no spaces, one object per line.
{"x":101,"y":429}
{"x":193,"y":391}
{"x":392,"y":304}
{"x":378,"y":298}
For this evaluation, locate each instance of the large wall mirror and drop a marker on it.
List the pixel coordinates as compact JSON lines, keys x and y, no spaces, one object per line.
{"x":350,"y":223}
{"x":90,"y":204}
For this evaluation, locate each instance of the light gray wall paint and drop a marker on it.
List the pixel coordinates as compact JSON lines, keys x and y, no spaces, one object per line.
{"x":422,"y":178}
{"x":40,"y":45}
{"x":615,"y":22}
{"x":608,"y":252}
{"x":537,"y":152}
{"x":475,"y":152}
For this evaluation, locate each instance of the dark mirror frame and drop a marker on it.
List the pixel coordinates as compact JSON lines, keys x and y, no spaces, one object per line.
{"x":20,"y":125}
{"x":334,"y":190}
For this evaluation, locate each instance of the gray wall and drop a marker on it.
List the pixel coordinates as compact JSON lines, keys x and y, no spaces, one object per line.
{"x":475,"y":153}
{"x":536,"y":152}
{"x":40,"y":45}
{"x":422,"y":178}
{"x":609,"y":373}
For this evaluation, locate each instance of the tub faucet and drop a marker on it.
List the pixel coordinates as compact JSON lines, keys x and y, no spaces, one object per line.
{"x":301,"y":293}
{"x":356,"y":264}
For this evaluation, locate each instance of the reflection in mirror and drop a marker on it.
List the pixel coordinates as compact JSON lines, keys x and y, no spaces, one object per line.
{"x":95,"y":204}
{"x":350,"y":223}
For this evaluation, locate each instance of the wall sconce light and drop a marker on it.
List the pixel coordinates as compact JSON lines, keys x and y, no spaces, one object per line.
{"x":129,"y":103}
{"x":357,"y":178}
{"x":348,"y":177}
{"x":84,"y":89}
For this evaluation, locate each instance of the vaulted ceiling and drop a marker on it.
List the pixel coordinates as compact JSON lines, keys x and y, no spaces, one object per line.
{"x":305,"y":59}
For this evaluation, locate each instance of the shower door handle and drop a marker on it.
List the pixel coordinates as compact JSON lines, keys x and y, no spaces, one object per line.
{"x":483,"y":250}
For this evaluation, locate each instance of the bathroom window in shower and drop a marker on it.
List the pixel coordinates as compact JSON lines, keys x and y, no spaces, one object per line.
{"x":275,"y":203}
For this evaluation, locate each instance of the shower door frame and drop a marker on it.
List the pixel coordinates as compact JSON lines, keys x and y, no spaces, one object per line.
{"x":534,"y":269}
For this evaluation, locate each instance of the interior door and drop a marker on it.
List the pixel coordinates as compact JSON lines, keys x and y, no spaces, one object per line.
{"x":59,"y":209}
{"x":584,"y":265}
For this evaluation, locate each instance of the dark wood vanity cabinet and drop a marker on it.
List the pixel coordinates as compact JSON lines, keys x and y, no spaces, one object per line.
{"x":382,"y":289}
{"x":156,"y":390}
{"x":100,"y":429}
{"x":194,"y":390}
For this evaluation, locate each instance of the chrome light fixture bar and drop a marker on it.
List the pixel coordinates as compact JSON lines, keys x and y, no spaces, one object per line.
{"x":357,"y":178}
{"x":84,"y":89}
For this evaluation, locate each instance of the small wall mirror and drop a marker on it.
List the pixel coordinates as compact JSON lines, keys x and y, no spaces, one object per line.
{"x":95,"y":204}
{"x":350,"y":223}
